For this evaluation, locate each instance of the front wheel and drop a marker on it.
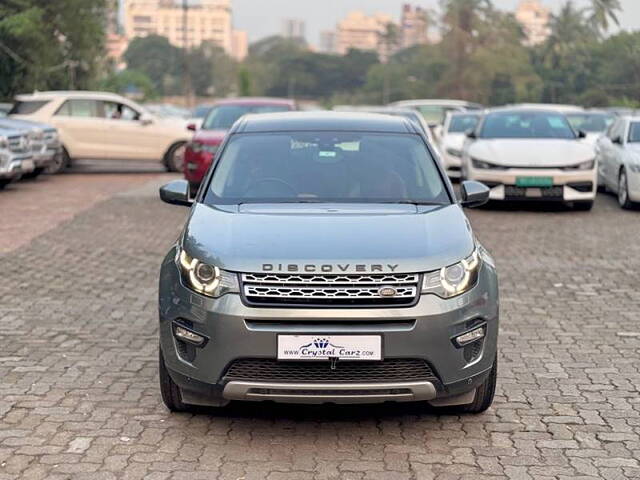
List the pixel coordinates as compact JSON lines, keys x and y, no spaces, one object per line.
{"x":60,"y":162}
{"x":174,"y":158}
{"x":4,"y":182}
{"x":623,"y":191}
{"x":484,"y":393}
{"x":171,"y":395}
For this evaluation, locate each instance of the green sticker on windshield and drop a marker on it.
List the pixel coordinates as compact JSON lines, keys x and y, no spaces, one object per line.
{"x":327,"y":154}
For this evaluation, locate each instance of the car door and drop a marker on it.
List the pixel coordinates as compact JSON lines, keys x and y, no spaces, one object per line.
{"x":134,"y":134}
{"x":82,"y":129}
{"x":607,"y":153}
{"x":618,"y":146}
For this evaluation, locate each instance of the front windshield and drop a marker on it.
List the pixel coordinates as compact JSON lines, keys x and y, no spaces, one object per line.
{"x":590,"y":122}
{"x":634,"y":132}
{"x":223,"y":117}
{"x":327,"y":167}
{"x":527,"y":124}
{"x":462,"y":123}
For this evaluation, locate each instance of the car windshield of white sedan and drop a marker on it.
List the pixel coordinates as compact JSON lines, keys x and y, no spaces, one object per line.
{"x":223,"y":117}
{"x":590,"y":122}
{"x":634,"y":132}
{"x":526,"y":125}
{"x":327,"y":167}
{"x":463,"y":123}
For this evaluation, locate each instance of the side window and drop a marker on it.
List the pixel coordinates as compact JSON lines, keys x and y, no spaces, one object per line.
{"x":119,"y":111}
{"x":79,"y":108}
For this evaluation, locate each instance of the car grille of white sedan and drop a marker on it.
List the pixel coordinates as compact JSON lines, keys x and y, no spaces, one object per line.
{"x":330,"y":290}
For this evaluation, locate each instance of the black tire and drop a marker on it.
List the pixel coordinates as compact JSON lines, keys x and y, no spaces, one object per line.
{"x":171,"y":395}
{"x":35,"y":174}
{"x":583,"y":206}
{"x":484,"y":393}
{"x":60,"y":162}
{"x":4,"y":182}
{"x":174,"y":158}
{"x":623,"y":191}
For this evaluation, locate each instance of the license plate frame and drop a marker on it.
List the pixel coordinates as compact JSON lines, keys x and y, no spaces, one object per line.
{"x":326,"y":347}
{"x":534,"y":182}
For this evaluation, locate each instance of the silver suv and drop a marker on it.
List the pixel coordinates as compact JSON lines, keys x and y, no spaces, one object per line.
{"x":44,"y":140}
{"x":16,"y":157}
{"x":327,"y":259}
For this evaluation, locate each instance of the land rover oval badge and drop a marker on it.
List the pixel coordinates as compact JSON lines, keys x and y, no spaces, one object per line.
{"x":387,"y":292}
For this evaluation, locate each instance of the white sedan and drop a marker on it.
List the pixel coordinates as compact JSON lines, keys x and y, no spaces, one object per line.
{"x":529,"y":155}
{"x":454,"y":133}
{"x":619,"y":160}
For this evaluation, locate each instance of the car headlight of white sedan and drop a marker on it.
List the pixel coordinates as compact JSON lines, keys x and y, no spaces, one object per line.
{"x":588,"y":165}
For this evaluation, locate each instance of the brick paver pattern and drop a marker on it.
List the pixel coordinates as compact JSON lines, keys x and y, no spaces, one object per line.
{"x":78,"y":365}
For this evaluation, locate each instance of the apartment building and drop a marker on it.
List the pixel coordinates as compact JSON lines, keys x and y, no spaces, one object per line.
{"x":534,"y":18}
{"x":205,"y":20}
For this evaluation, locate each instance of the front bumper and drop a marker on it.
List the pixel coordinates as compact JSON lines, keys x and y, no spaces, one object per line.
{"x":568,"y":186}
{"x":12,"y":167}
{"x":236,"y":331}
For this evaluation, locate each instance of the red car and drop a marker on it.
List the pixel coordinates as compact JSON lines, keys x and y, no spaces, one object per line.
{"x":201,"y":151}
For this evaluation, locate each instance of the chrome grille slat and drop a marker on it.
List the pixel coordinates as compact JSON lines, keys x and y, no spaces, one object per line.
{"x":329,"y":289}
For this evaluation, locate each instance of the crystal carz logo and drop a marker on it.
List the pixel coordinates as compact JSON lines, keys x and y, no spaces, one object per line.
{"x":322,"y":347}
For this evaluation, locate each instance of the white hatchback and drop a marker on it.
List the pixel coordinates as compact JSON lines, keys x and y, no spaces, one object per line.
{"x":527,"y":154}
{"x":106,"y":126}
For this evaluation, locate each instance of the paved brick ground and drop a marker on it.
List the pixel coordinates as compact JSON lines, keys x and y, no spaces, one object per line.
{"x":78,"y":394}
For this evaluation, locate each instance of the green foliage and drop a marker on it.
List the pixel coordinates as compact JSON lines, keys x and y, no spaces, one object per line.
{"x":128,"y":80}
{"x":51,"y":44}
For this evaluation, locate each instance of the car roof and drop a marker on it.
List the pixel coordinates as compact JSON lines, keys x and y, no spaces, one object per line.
{"x":68,"y":94}
{"x":435,"y":101}
{"x":527,"y":109}
{"x":256,"y":101}
{"x":324,"y":121}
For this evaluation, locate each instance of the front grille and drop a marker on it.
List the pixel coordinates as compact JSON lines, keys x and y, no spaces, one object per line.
{"x":386,"y":371}
{"x":18,"y":144}
{"x":512,"y":192}
{"x":330,"y":290}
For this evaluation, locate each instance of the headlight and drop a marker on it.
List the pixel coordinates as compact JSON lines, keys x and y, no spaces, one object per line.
{"x":206,"y":279}
{"x":198,"y":147}
{"x":455,"y":279}
{"x":588,"y":165}
{"x":454,"y":153}
{"x":482,"y":165}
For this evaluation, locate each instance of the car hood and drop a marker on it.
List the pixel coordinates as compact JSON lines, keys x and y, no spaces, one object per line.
{"x":11,"y":122}
{"x":454,"y":140}
{"x":210,"y":136}
{"x":400,"y":238}
{"x":532,"y":152}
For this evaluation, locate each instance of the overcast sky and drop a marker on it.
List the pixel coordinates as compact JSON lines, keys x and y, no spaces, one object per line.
{"x":261,"y":18}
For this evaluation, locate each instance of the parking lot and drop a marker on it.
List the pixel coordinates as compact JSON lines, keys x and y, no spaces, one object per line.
{"x":78,"y":356}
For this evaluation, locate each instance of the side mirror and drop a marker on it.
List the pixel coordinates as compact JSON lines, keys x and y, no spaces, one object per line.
{"x":474,"y":194}
{"x":146,"y":119}
{"x":582,"y":134}
{"x":617,"y":140}
{"x":471,"y":133}
{"x":192,"y":127}
{"x":176,"y":193}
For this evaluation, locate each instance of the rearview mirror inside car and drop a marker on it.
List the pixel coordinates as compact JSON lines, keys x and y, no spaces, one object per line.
{"x":176,"y":193}
{"x":474,"y":194}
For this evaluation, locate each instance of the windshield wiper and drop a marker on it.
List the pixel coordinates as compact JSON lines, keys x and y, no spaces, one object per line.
{"x":415,"y":202}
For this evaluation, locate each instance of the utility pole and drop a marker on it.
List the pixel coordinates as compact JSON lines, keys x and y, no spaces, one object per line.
{"x":185,"y":49}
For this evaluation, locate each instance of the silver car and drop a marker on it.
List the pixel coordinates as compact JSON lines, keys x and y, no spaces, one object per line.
{"x":619,"y":160}
{"x":326,"y":259}
{"x":44,"y":141}
{"x":16,"y":157}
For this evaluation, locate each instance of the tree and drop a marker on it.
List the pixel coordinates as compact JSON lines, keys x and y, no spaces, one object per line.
{"x":159,"y":60}
{"x":123,"y":82}
{"x":52,"y":44}
{"x":601,"y":12}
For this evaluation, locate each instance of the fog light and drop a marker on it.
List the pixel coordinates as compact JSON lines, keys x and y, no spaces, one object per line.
{"x":188,"y":336}
{"x":470,"y":337}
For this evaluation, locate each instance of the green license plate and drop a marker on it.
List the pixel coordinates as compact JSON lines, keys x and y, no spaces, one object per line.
{"x":534,"y":181}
